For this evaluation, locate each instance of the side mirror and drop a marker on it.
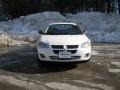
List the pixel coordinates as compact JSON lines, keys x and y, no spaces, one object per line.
{"x":40,"y":32}
{"x":84,"y":31}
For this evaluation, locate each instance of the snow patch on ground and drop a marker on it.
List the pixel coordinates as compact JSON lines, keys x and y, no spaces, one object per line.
{"x":101,"y":27}
{"x":99,"y":85}
{"x":95,"y":52}
{"x":29,"y":85}
{"x":66,"y":86}
{"x":116,"y":63}
{"x":114,"y":70}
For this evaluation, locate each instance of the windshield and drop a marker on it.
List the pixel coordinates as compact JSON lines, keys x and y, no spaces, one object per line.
{"x":64,"y":29}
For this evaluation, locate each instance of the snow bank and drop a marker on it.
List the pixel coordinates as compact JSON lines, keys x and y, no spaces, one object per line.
{"x":26,"y":28}
{"x":101,"y":27}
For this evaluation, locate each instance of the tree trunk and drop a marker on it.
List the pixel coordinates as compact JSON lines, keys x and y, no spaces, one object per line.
{"x":119,"y":6}
{"x":1,"y":10}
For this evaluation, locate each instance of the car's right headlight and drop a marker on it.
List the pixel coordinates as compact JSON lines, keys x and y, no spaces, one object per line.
{"x":43,"y":45}
{"x":86,"y":44}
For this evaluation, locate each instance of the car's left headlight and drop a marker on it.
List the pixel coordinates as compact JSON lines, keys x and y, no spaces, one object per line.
{"x":43,"y":45}
{"x":86,"y":44}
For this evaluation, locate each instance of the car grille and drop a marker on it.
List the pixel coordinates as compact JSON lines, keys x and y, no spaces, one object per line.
{"x":59,"y":48}
{"x":72,"y":58}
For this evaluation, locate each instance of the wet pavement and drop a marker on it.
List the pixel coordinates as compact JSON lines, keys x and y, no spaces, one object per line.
{"x":19,"y":70}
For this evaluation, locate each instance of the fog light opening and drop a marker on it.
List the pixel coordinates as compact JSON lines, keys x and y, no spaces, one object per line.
{"x":87,"y":55}
{"x":42,"y":55}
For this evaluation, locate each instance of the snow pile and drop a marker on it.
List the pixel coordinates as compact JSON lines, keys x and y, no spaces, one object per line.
{"x":5,"y":40}
{"x":101,"y":27}
{"x":26,"y":28}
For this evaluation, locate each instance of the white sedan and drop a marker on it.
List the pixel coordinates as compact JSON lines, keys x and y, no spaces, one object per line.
{"x":63,"y":42}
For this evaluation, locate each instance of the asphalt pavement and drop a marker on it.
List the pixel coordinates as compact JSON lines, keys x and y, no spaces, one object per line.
{"x":19,"y":70}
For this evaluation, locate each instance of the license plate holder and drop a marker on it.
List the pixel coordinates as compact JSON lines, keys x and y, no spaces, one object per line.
{"x":65,"y":54}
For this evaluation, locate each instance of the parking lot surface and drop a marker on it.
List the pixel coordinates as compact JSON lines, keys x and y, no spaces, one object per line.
{"x":19,"y":70}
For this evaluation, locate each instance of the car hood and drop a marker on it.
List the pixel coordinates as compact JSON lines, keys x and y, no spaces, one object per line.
{"x":64,"y":39}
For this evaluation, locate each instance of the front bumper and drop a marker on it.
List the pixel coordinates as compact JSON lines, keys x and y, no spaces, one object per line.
{"x":82,"y":54}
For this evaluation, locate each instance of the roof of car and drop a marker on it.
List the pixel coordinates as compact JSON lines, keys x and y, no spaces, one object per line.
{"x":63,"y":23}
